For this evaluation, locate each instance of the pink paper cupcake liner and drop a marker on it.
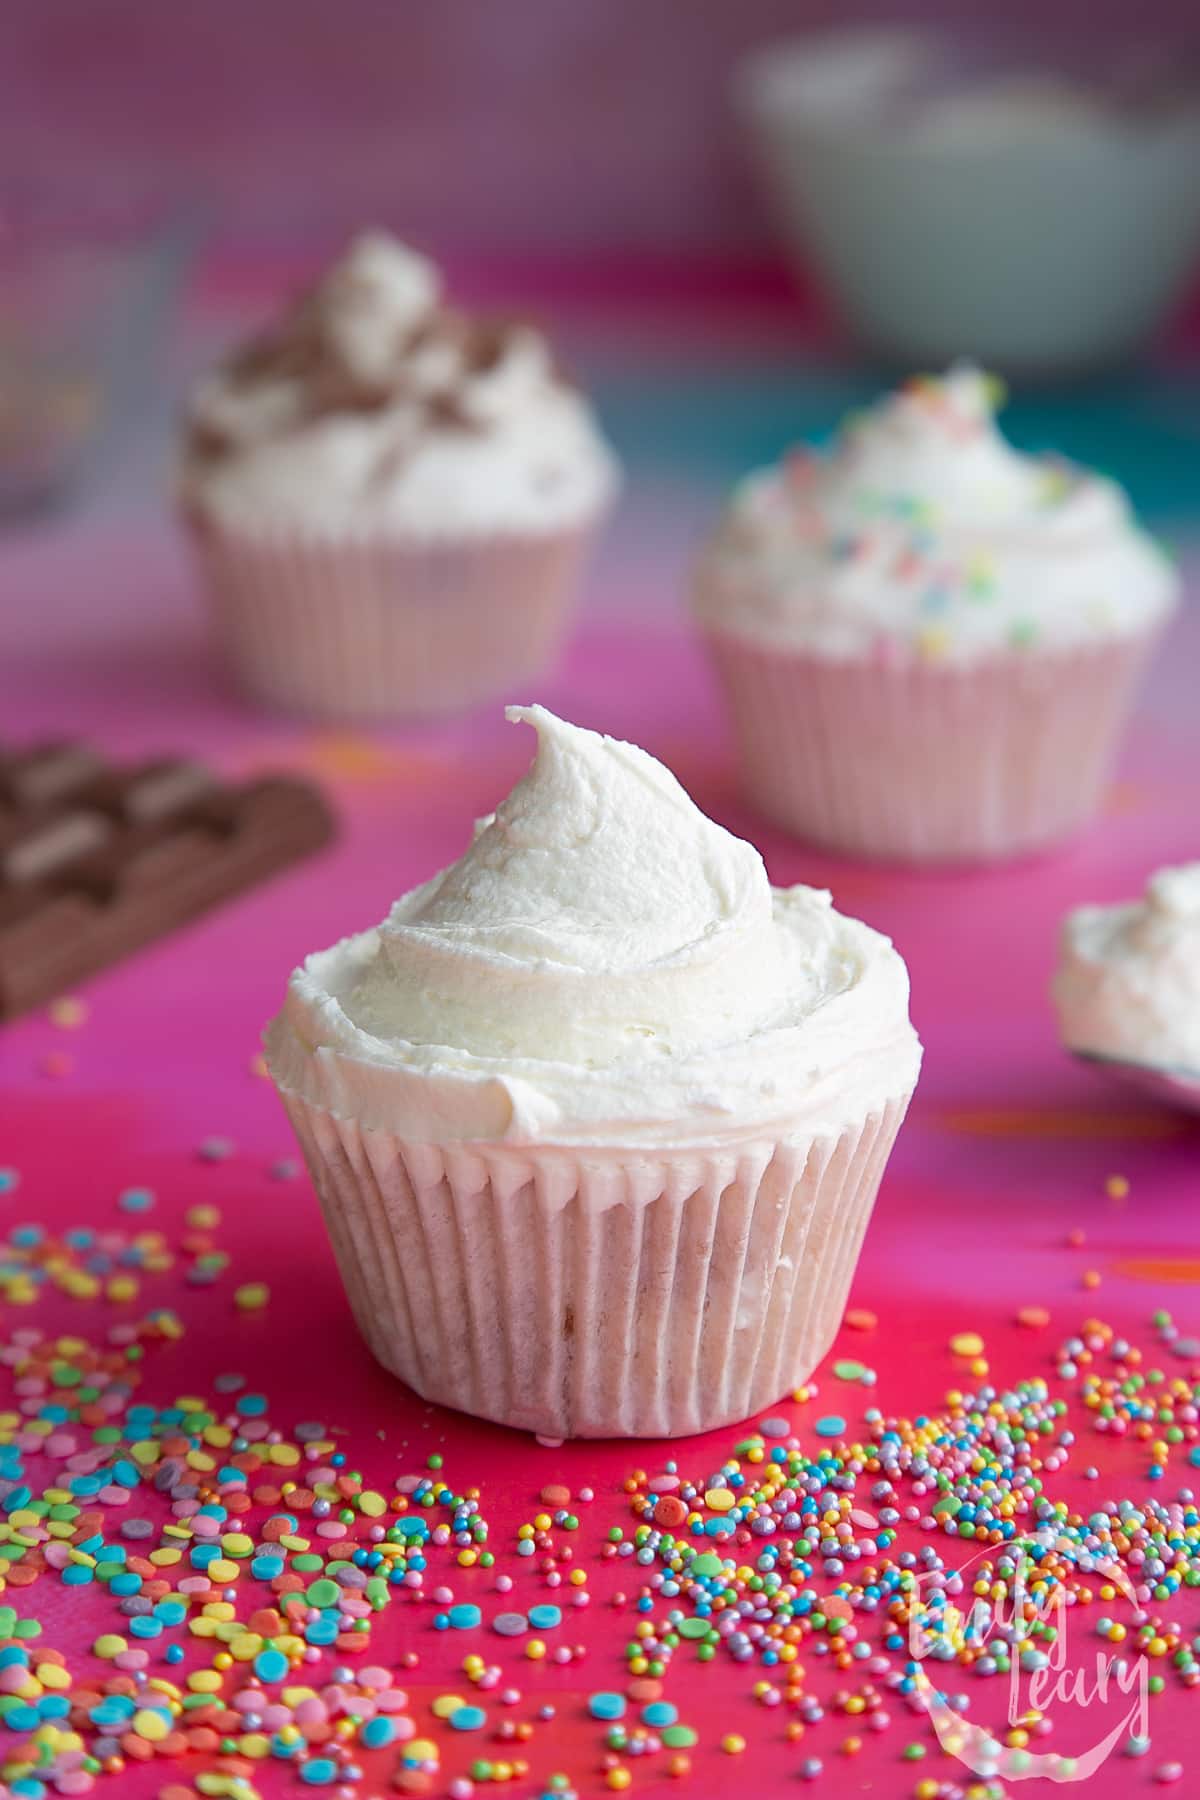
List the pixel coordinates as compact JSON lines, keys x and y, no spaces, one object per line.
{"x":594,"y":1293}
{"x":925,"y":763}
{"x":363,"y":630}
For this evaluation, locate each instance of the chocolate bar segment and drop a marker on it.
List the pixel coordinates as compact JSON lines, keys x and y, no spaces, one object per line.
{"x":96,"y":860}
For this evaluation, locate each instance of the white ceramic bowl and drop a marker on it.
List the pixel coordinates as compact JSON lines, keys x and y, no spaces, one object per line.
{"x":1033,"y":226}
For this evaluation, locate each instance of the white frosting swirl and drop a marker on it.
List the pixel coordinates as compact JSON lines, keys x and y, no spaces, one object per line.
{"x":1128,"y":982}
{"x":925,"y":533}
{"x":604,"y":964}
{"x":372,"y":407}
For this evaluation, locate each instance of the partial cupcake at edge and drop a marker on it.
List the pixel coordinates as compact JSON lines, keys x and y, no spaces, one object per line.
{"x":597,"y":1116}
{"x":391,"y":500}
{"x":929,"y":641}
{"x":1127,"y":986}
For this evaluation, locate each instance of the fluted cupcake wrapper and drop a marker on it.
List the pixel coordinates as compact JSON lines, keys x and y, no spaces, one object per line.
{"x":597,"y":1294}
{"x":365,"y":629}
{"x":929,"y":762}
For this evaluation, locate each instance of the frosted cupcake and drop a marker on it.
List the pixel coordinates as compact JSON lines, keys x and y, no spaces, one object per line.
{"x":597,"y":1116}
{"x":929,"y":641}
{"x":1127,"y":988}
{"x":391,"y":500}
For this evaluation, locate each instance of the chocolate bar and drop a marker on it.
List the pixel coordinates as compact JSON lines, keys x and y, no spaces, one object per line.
{"x":96,"y":860}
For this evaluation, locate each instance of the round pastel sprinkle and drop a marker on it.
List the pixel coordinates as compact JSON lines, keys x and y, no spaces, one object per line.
{"x":831,"y":1426}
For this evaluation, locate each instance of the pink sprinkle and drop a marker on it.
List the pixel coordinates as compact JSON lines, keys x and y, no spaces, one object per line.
{"x":193,"y":1584}
{"x":330,"y":1528}
{"x":61,"y":1443}
{"x":391,"y":1700}
{"x":310,"y":1712}
{"x":205,"y":1526}
{"x":129,"y":1660}
{"x":664,"y":1484}
{"x":13,"y":1678}
{"x":77,"y":1781}
{"x":57,"y":1554}
{"x":374,"y":1677}
{"x":114,"y":1495}
{"x":550,"y":1443}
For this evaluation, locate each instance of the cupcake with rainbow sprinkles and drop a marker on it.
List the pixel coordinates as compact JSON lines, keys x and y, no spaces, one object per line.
{"x":929,"y":641}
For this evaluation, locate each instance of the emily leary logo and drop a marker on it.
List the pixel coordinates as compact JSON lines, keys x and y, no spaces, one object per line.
{"x":1021,"y":1621}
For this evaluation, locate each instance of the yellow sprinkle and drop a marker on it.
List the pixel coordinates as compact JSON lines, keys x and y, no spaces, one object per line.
{"x":284,"y":1456}
{"x":150,"y":1725}
{"x":237,"y":1543}
{"x":254,"y":1744}
{"x":144,"y":1452}
{"x":245,"y":1647}
{"x":967,"y":1343}
{"x":52,"y":1676}
{"x":443,"y":1706}
{"x":219,"y":1609}
{"x":371,"y":1503}
{"x":164,"y":1557}
{"x":733,"y":1744}
{"x":204,"y":1681}
{"x":109,"y":1644}
{"x":196,"y":1459}
{"x":122,"y":1287}
{"x":202,"y":1218}
{"x":422,"y":1749}
{"x":251,"y":1296}
{"x":219,"y":1436}
{"x":720,"y":1500}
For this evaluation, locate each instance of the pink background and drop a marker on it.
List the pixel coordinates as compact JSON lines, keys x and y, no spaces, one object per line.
{"x":1008,"y":1145}
{"x":534,"y":125}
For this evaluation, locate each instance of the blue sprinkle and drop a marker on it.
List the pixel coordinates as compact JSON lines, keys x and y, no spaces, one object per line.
{"x":465,"y":1616}
{"x":545,"y":1618}
{"x":319,"y":1772}
{"x":171,"y":1612}
{"x":321,"y":1631}
{"x":124,"y":1585}
{"x":77,"y":1575}
{"x":266,"y":1567}
{"x":831,"y":1426}
{"x":136,"y":1200}
{"x":22,"y":1718}
{"x":468,"y":1718}
{"x":606,"y":1706}
{"x":251,"y":1404}
{"x":377,"y":1732}
{"x":270,"y":1665}
{"x":659,"y":1713}
{"x":9,"y":1180}
{"x":147,"y":1626}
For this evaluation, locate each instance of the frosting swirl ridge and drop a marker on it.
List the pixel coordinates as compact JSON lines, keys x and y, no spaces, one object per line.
{"x":603,"y":961}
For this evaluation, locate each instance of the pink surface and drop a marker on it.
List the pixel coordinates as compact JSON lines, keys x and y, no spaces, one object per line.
{"x":1006,"y":1149}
